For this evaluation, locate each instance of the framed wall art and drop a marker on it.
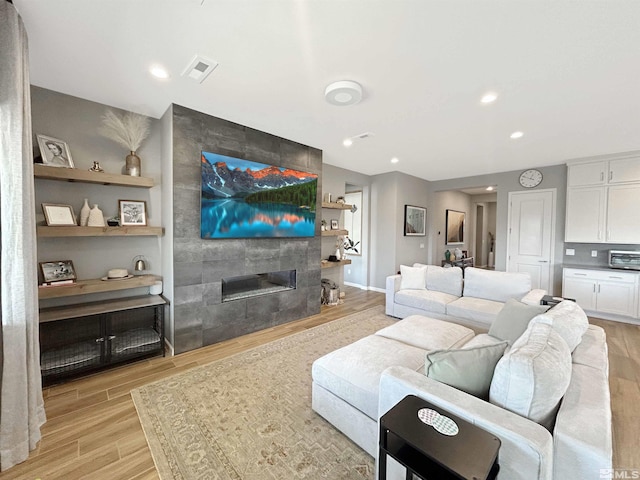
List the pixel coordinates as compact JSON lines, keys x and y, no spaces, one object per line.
{"x":133,"y":212}
{"x":55,"y":153}
{"x":58,"y":215}
{"x":415,"y":221}
{"x":57,"y":271}
{"x":455,"y":227}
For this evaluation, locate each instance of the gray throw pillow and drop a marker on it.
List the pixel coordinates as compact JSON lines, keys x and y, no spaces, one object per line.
{"x":469,"y":370}
{"x":514,"y":319}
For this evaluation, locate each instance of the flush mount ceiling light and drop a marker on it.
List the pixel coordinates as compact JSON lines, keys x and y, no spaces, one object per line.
{"x":347,"y":142}
{"x":489,"y":188}
{"x":199,"y":68}
{"x":489,"y":97}
{"x":395,"y":160}
{"x":516,"y":135}
{"x":343,"y":93}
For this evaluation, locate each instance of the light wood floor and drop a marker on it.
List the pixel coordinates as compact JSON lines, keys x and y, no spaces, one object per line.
{"x":93,"y":430}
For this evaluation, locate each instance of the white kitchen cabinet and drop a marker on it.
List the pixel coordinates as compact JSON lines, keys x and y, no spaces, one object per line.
{"x":602,"y":291}
{"x":602,"y":199}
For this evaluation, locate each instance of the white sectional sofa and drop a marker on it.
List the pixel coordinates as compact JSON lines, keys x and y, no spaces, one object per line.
{"x":439,"y":292}
{"x":558,"y":358}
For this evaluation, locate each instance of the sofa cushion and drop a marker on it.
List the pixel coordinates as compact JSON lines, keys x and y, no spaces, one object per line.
{"x":427,"y":300}
{"x":592,"y":351}
{"x":414,"y":278}
{"x":446,"y":280}
{"x":514,"y":319}
{"x":477,"y":310}
{"x":532,"y":377}
{"x":569,"y":320}
{"x":481,"y":340}
{"x":353,"y":372}
{"x":427,"y":333}
{"x":467,"y":369}
{"x":493,"y":285}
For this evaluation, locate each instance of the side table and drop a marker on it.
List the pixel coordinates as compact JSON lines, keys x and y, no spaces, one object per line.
{"x":553,"y":301}
{"x":471,"y":454}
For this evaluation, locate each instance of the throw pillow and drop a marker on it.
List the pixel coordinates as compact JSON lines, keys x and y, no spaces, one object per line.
{"x":569,"y":320}
{"x":469,"y":370}
{"x":513,"y":320}
{"x":413,"y":278}
{"x":532,"y":377}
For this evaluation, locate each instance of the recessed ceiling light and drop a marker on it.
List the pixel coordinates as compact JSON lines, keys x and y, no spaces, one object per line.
{"x":394,"y":160}
{"x":159,"y":72}
{"x":489,"y":97}
{"x":489,"y":188}
{"x":347,"y":142}
{"x":518,"y":134}
{"x":343,"y":93}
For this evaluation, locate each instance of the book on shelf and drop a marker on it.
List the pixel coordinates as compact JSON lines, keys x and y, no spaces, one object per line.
{"x":58,"y":283}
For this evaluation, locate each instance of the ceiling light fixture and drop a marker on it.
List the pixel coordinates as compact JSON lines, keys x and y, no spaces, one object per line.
{"x":395,"y":160}
{"x":347,"y":142}
{"x":489,"y":97}
{"x":159,"y":72}
{"x":199,"y":68}
{"x":489,"y":188}
{"x":516,"y":135}
{"x":343,"y":93}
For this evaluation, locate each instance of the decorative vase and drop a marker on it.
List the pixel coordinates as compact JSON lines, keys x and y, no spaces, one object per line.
{"x":338,"y":254}
{"x":132,"y":166}
{"x":84,"y":213}
{"x":447,"y":255}
{"x":96,"y":219}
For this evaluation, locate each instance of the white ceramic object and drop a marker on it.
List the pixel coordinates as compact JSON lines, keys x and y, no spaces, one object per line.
{"x":96,"y":218}
{"x":84,"y":213}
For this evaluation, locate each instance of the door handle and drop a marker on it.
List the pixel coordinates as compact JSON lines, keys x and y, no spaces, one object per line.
{"x":581,"y":275}
{"x":611,"y":175}
{"x":601,"y":176}
{"x":543,"y":261}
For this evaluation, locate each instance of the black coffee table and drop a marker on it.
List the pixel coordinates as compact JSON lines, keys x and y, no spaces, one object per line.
{"x":470,"y":454}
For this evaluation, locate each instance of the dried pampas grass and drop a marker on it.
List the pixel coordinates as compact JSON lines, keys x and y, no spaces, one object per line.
{"x":129,"y":130}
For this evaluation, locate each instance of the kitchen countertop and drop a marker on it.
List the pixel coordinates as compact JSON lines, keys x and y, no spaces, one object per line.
{"x":599,"y":267}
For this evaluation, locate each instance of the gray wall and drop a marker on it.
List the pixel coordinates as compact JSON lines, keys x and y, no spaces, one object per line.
{"x":200,"y":317}
{"x":440,"y":203}
{"x":77,"y":121}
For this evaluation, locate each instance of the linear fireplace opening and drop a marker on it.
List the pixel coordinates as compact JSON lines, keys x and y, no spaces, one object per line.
{"x":244,"y":286}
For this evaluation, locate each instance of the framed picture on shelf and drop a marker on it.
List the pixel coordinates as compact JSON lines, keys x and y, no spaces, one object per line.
{"x":58,"y":271}
{"x":415,"y":221}
{"x":334,"y":224}
{"x":55,"y":153}
{"x":133,"y":212}
{"x":455,"y":227}
{"x":58,"y":215}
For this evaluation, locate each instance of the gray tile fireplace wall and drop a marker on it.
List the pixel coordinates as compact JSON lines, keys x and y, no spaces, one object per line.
{"x":200,"y":317}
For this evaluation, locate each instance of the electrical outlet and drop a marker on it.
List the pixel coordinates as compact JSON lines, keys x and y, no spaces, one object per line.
{"x":594,"y":253}
{"x":422,"y":245}
{"x":570,"y":251}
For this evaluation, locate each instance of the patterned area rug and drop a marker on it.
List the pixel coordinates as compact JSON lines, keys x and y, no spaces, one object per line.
{"x":249,"y":416}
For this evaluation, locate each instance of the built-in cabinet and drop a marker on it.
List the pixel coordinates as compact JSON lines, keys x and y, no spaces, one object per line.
{"x":82,"y":337}
{"x":602,"y":200}
{"x":602,"y":291}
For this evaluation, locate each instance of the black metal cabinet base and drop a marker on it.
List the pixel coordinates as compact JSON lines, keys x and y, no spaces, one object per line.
{"x":471,"y":454}
{"x":79,"y":339}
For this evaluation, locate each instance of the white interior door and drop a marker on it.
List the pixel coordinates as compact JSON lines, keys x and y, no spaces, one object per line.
{"x":531,"y":235}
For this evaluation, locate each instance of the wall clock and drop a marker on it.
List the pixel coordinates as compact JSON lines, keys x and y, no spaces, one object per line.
{"x":530,"y":178}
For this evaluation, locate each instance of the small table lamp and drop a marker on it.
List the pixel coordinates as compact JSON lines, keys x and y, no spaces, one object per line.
{"x":140,"y":265}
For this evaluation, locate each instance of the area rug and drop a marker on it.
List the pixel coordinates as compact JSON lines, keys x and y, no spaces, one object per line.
{"x":249,"y":416}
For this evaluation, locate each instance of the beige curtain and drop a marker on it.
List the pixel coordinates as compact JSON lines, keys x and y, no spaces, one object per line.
{"x":21,"y":405}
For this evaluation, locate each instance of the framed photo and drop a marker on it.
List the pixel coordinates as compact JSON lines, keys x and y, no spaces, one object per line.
{"x":57,"y":271}
{"x":455,"y":227}
{"x":59,"y":215}
{"x":334,"y":224}
{"x":55,"y":153}
{"x":415,"y":221}
{"x":133,"y":212}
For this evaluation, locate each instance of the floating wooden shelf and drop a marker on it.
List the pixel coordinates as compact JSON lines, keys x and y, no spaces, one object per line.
{"x":95,"y":285}
{"x":334,"y":233}
{"x":337,"y":206}
{"x":85,"y":176}
{"x":52,"y":314}
{"x":335,"y":264}
{"x":70,"y":231}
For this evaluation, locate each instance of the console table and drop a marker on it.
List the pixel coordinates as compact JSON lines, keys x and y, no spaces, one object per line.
{"x":462,"y":263}
{"x":472,"y":453}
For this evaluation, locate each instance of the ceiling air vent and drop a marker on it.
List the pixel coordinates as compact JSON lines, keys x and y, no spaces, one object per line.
{"x":199,"y":68}
{"x":364,"y":135}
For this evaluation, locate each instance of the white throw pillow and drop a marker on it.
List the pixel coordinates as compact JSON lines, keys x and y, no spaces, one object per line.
{"x":568,"y":319}
{"x":467,"y":369}
{"x":413,"y":278}
{"x":532,"y":377}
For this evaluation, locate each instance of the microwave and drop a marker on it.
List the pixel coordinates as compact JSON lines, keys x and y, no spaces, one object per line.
{"x":628,"y":260}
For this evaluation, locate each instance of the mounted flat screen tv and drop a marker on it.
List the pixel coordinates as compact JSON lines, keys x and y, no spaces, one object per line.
{"x":244,"y":199}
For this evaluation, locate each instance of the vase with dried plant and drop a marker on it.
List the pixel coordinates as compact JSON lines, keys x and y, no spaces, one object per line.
{"x":129,"y":130}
